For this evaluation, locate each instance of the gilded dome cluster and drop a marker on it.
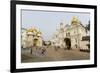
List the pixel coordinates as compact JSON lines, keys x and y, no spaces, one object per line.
{"x":74,"y":21}
{"x":34,"y":31}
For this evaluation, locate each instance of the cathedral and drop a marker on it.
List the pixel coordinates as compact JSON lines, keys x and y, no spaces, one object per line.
{"x":70,"y":36}
{"x":75,"y":32}
{"x":31,"y":37}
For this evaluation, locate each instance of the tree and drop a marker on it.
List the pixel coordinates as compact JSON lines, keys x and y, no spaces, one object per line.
{"x":88,"y":26}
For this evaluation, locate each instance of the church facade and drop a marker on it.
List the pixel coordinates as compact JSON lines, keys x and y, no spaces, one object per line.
{"x":31,"y":37}
{"x":74,"y":32}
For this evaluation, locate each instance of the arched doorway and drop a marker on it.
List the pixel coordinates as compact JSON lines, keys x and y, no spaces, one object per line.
{"x":35,"y":42}
{"x":67,"y":43}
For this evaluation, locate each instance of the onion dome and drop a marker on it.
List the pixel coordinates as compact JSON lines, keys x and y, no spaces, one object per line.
{"x":75,"y":21}
{"x":39,"y":33}
{"x":32,"y":31}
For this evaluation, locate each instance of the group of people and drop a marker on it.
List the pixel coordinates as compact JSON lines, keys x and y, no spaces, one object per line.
{"x":38,"y":51}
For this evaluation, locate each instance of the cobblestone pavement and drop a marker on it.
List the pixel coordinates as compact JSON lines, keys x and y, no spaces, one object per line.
{"x":52,"y":54}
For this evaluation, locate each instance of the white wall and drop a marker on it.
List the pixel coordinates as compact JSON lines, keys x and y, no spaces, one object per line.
{"x":5,"y":35}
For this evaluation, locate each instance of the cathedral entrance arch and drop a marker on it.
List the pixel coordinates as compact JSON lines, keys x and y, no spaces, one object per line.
{"x":35,"y":42}
{"x":67,"y":43}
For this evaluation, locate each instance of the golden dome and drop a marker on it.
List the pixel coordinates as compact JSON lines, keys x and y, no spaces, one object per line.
{"x":74,"y":21}
{"x":29,"y":30}
{"x":39,"y":33}
{"x":32,"y":30}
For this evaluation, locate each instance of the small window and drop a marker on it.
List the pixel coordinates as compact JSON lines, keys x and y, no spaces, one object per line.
{"x":76,"y":40}
{"x":74,"y":32}
{"x":68,"y":34}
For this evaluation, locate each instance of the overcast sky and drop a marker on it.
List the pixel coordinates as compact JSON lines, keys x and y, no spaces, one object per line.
{"x":48,"y":21}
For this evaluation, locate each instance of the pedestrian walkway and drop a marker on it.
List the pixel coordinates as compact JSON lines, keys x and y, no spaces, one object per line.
{"x":55,"y":55}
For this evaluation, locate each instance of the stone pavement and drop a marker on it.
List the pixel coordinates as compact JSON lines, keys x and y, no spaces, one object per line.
{"x":52,"y":55}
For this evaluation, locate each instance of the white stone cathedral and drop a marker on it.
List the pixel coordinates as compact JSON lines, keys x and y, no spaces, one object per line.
{"x":75,"y":32}
{"x":31,"y":37}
